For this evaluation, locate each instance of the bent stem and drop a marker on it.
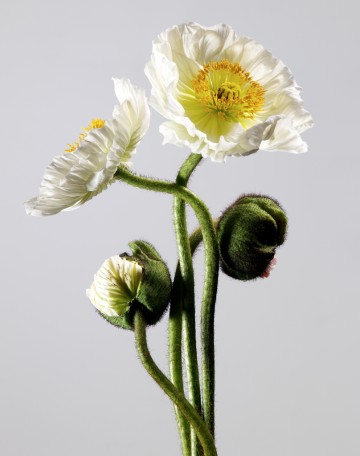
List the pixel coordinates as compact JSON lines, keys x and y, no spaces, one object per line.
{"x":166,"y":385}
{"x":182,"y":309}
{"x":210,"y":281}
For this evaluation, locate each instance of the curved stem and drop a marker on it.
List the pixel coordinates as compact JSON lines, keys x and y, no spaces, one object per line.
{"x":210,"y":282}
{"x":184,"y":406}
{"x":183,"y":303}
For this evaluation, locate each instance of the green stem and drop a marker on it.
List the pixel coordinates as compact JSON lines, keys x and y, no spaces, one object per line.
{"x":175,"y":364}
{"x":195,"y":240}
{"x":183,"y":302}
{"x":179,"y":399}
{"x":210,"y":281}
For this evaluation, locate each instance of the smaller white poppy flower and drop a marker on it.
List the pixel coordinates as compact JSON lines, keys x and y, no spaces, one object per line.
{"x":223,"y":94}
{"x":115,"y":286}
{"x":88,"y":166}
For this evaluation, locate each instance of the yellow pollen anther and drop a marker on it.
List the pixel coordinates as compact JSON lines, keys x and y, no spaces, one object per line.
{"x":228,"y":91}
{"x":95,"y":123}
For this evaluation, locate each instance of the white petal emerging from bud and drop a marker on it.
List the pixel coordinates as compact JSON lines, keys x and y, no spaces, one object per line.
{"x":115,"y":286}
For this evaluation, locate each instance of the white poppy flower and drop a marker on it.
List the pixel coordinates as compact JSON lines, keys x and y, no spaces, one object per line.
{"x":115,"y":286}
{"x":223,"y":94}
{"x":88,"y":166}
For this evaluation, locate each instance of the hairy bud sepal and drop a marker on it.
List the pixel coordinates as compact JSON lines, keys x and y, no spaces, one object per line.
{"x":249,"y":232}
{"x":154,"y":293}
{"x":127,"y":283}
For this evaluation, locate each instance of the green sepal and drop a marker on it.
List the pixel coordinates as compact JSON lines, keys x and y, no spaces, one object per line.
{"x":124,"y":321}
{"x":155,"y":288}
{"x":272,"y":207}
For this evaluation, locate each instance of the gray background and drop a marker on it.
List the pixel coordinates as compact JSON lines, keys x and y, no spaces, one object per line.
{"x":287,"y":347}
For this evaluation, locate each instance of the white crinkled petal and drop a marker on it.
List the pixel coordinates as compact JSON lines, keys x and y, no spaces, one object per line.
{"x":131,"y":116}
{"x":163,"y":76}
{"x":284,"y":137}
{"x":289,"y":104}
{"x":194,"y":42}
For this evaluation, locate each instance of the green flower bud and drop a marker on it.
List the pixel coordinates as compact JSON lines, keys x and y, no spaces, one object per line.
{"x":248,"y":233}
{"x":127,"y":283}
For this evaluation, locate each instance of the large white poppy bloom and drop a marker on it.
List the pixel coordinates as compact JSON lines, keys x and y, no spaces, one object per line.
{"x":88,"y":166}
{"x":115,"y":286}
{"x":223,"y":94}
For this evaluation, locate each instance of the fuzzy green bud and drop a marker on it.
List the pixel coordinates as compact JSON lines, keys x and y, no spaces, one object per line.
{"x":248,"y":233}
{"x":127,"y":283}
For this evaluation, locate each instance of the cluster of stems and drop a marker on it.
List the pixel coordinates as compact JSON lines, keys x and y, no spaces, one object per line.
{"x":195,"y":414}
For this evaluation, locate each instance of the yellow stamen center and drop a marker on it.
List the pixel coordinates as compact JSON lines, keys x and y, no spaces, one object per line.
{"x":227,"y":91}
{"x":95,"y":123}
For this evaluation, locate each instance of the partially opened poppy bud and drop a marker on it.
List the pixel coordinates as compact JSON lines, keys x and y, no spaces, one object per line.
{"x":248,"y":233}
{"x":127,"y":283}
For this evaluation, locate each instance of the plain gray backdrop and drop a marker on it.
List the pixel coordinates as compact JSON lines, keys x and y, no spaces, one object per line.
{"x":287,"y":347}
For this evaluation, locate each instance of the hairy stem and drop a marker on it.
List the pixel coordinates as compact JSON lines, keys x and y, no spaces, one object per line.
{"x":183,"y":303}
{"x":166,"y":385}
